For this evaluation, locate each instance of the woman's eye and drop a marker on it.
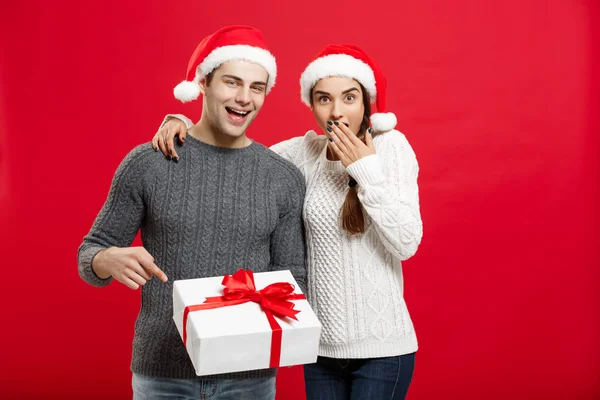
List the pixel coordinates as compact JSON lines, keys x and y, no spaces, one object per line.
{"x":350,"y":97}
{"x":323,"y":99}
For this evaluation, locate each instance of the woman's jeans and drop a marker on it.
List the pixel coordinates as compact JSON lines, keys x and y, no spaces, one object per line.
{"x":359,"y":379}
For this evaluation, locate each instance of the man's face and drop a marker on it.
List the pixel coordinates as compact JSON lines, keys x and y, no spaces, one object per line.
{"x":234,"y":96}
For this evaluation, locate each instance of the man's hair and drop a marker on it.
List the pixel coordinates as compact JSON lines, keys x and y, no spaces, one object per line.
{"x":209,"y":77}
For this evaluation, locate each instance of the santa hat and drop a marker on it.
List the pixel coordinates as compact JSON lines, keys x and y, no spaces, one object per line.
{"x":351,"y":62}
{"x":234,"y":42}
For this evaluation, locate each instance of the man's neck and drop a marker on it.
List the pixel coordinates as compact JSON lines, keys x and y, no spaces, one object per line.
{"x":204,"y":132}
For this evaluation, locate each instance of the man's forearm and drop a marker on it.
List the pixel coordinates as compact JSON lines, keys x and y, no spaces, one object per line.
{"x":97,"y":266}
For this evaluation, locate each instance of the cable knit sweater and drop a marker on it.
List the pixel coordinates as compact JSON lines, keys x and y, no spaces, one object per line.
{"x":215,"y":211}
{"x":355,"y":283}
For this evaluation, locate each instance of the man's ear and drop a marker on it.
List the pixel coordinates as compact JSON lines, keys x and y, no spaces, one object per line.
{"x":203,"y":85}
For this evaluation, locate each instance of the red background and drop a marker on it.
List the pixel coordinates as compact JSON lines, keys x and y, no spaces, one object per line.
{"x":498,"y":98}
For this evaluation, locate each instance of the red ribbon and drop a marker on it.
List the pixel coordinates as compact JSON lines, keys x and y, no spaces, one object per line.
{"x":274,"y":300}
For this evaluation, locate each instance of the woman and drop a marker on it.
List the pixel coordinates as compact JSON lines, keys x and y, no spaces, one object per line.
{"x":362,"y":217}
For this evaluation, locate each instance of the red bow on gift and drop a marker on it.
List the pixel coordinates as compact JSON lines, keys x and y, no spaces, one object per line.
{"x":274,"y":300}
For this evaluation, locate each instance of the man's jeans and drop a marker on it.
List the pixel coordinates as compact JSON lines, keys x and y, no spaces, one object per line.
{"x":150,"y":388}
{"x":385,"y":378}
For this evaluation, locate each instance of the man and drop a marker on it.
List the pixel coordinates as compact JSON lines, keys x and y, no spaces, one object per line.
{"x":229,"y":203}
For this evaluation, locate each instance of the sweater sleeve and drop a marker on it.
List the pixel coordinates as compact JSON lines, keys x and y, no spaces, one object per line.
{"x":188,"y":122}
{"x":388,"y":190}
{"x":287,"y":239}
{"x":289,"y":149}
{"x":121,"y":216}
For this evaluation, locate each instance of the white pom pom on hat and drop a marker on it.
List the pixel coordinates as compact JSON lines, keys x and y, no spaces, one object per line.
{"x":187,"y":91}
{"x":383,"y":122}
{"x":352,"y":62}
{"x":235,"y":42}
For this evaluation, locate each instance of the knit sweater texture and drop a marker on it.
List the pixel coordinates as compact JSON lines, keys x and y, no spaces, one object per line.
{"x":213,"y":212}
{"x":355,"y":282}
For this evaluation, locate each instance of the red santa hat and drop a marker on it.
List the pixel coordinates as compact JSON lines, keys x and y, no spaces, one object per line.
{"x":351,"y":62}
{"x":234,"y":42}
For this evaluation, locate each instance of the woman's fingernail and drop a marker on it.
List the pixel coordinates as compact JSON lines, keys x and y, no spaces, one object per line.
{"x":170,"y":152}
{"x":336,"y":123}
{"x":329,"y":122}
{"x":329,"y":129}
{"x":330,"y":139}
{"x":370,"y":130}
{"x":176,"y":159}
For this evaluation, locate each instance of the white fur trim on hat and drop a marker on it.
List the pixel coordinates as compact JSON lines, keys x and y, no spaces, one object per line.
{"x":383,"y":122}
{"x":337,"y":65}
{"x":239,"y":52}
{"x":187,"y":91}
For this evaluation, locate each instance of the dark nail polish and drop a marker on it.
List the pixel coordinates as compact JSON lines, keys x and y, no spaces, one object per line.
{"x":155,"y":149}
{"x":330,"y":139}
{"x":336,"y":123}
{"x":329,"y":129}
{"x":370,"y":130}
{"x":170,"y":152}
{"x":329,"y":122}
{"x":176,"y":159}
{"x":168,"y":157}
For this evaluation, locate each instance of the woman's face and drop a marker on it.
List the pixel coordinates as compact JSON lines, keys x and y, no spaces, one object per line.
{"x":338,"y":99}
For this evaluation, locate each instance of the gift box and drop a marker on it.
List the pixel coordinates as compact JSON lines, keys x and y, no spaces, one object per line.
{"x":245,"y":321}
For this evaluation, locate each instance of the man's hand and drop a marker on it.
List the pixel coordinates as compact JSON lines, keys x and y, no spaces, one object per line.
{"x":132,"y":266}
{"x":165,"y":138}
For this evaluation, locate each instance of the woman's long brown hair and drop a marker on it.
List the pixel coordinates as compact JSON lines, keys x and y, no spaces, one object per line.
{"x":352,"y":212}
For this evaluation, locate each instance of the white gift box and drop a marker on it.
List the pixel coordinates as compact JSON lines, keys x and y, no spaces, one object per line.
{"x":238,"y":337}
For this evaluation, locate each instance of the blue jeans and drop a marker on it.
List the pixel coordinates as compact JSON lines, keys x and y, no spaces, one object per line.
{"x":359,"y":379}
{"x":150,"y":388}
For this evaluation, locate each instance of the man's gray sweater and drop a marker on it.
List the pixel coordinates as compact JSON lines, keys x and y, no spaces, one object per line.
{"x":215,"y":211}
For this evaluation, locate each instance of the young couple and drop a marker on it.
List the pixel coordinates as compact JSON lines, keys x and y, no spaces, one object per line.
{"x":339,"y":210}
